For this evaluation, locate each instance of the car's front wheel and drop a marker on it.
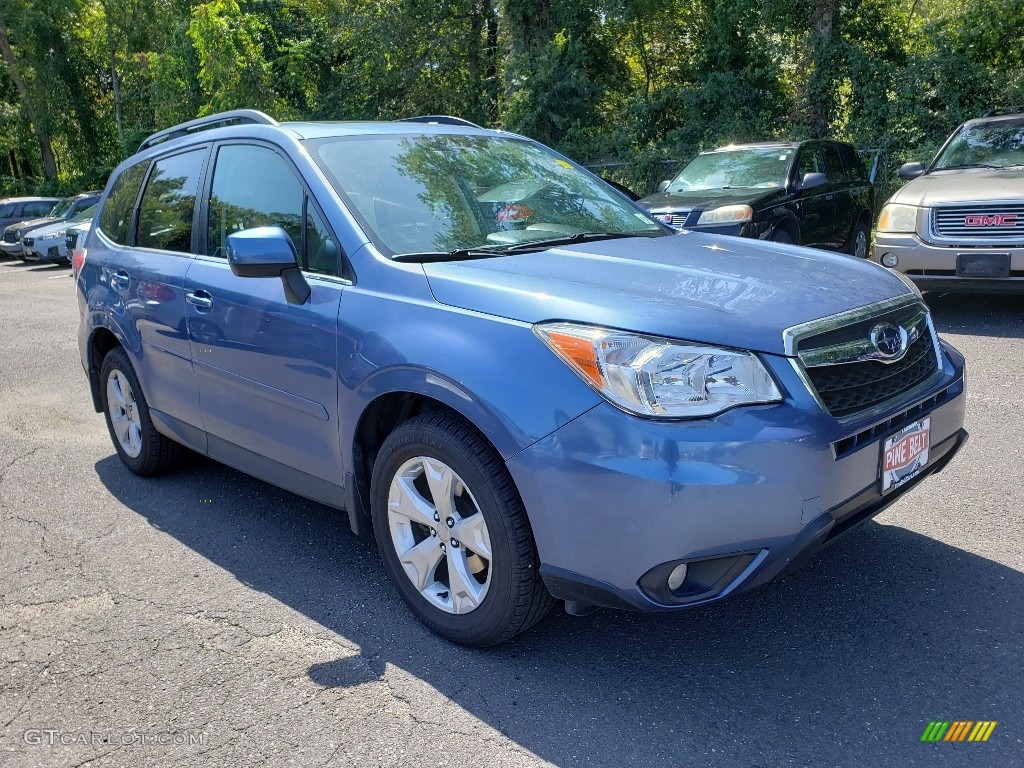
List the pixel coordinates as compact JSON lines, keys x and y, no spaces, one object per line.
{"x":453,"y":534}
{"x":142,"y":449}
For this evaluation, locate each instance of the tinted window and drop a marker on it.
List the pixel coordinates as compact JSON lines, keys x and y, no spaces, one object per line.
{"x":6,"y":211}
{"x":116,"y":217}
{"x":168,"y":204}
{"x":734,"y":169}
{"x":854,"y":164}
{"x":809,"y":162}
{"x":253,"y":187}
{"x":834,"y":168}
{"x":40,"y":208}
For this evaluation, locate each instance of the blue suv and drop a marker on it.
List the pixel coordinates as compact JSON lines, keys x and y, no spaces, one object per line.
{"x":527,"y":388}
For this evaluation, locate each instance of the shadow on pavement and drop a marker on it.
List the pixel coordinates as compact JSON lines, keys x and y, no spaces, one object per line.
{"x":978,"y":314}
{"x":848,"y":658}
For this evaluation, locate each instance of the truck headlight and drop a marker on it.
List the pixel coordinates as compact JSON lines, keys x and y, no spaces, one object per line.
{"x":651,"y":376}
{"x":898,"y":218}
{"x":727,"y":214}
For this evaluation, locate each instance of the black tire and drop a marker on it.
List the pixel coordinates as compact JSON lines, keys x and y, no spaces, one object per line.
{"x":516,"y":598}
{"x":159,"y":454}
{"x":860,"y":240}
{"x":782,"y":236}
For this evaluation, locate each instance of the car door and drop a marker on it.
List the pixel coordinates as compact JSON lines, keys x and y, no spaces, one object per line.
{"x":146,"y":255}
{"x":846,"y":205}
{"x":267,"y":369}
{"x":816,"y":207}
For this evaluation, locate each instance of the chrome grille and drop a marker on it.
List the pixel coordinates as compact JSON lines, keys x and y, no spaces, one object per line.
{"x":999,"y":221}
{"x":10,"y":236}
{"x":850,"y":375}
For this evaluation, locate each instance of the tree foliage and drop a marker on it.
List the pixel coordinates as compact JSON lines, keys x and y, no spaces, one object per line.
{"x":635,"y":81}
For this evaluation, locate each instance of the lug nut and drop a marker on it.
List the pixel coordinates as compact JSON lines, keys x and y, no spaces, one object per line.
{"x":450,"y":522}
{"x":437,"y":517}
{"x":455,"y":542}
{"x":433,"y":532}
{"x":443,"y":547}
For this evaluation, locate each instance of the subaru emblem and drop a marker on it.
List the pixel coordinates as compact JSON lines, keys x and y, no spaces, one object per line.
{"x":889,"y":340}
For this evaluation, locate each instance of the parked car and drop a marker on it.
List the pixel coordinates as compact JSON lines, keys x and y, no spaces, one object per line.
{"x":12,"y":244}
{"x":49,"y":243}
{"x":15,"y":209}
{"x":74,"y":235}
{"x":814,"y":193}
{"x":958,"y":225}
{"x":523,"y":385}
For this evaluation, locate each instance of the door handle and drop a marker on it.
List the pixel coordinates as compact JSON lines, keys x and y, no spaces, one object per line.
{"x":120,"y":280}
{"x":829,"y":197}
{"x":201,"y":299}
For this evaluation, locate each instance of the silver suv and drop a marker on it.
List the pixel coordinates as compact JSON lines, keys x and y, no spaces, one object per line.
{"x":959,"y":224}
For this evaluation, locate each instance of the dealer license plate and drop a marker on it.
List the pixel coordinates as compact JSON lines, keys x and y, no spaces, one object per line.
{"x":983,"y":265}
{"x":905,"y":454}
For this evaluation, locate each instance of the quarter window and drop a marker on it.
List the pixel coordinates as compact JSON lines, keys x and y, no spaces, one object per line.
{"x":168,"y":204}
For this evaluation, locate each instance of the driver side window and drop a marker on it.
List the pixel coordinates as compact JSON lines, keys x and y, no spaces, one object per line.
{"x":809,"y":162}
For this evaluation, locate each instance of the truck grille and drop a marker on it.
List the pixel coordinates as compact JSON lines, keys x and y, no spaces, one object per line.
{"x":846,"y":367}
{"x":10,"y":236}
{"x":995,"y":221}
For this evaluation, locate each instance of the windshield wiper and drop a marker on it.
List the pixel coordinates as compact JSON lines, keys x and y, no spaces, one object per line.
{"x":962,"y":166}
{"x":490,"y":251}
{"x":579,"y":237}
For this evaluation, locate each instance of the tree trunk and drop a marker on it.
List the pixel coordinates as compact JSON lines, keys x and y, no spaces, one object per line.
{"x":113,"y":73}
{"x":820,"y":92}
{"x":45,"y":147}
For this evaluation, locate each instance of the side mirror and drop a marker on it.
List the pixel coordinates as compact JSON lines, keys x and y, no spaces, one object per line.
{"x":812,"y":180}
{"x":268,"y":252}
{"x":910,"y":171}
{"x":663,"y":185}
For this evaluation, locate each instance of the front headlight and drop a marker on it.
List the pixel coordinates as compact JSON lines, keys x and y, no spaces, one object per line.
{"x":727,"y":214}
{"x":53,"y":236}
{"x":651,"y":376}
{"x":898,"y":218}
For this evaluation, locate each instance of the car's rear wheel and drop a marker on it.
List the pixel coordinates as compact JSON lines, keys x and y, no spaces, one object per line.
{"x":860,"y":240}
{"x":453,"y":534}
{"x":142,"y":449}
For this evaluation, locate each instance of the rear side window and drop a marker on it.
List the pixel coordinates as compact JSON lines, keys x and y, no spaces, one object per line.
{"x":169,"y":202}
{"x":834,"y":168}
{"x":858,"y":171}
{"x":35,"y":209}
{"x":116,"y":217}
{"x":6,"y":211}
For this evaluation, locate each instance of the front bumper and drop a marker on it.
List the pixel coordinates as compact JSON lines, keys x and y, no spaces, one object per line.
{"x":46,"y":251}
{"x":933,"y":267}
{"x":12,"y":249}
{"x":744,"y":496}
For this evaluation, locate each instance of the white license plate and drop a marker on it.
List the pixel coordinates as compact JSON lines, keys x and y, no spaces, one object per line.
{"x":905,"y":454}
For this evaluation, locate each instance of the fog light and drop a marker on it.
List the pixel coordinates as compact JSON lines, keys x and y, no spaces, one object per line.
{"x":890,"y":260}
{"x":677,"y":577}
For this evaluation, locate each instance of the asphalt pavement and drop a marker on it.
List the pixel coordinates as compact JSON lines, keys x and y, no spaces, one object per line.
{"x":209,"y":619}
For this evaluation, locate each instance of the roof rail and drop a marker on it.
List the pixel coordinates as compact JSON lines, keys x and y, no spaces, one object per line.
{"x":205,"y":123}
{"x":438,"y":120}
{"x":1016,"y":110}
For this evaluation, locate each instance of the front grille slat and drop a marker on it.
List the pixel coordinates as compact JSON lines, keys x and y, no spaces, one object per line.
{"x":1000,"y":221}
{"x":852,"y":386}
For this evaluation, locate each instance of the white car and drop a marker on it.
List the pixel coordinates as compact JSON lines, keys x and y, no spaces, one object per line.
{"x":49,"y":243}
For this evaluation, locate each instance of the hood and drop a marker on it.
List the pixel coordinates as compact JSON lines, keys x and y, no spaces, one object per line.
{"x":965,"y":185}
{"x":691,"y":286}
{"x":51,"y":226}
{"x":31,"y":224}
{"x":704,"y":199}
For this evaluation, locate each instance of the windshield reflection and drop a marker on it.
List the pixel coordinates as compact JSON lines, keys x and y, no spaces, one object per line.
{"x":998,"y":145}
{"x":443,"y":193}
{"x":765,"y":168}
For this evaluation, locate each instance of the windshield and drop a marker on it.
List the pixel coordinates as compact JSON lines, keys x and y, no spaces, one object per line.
{"x":85,"y":215}
{"x":997,"y":144}
{"x":765,"y":167}
{"x":444,"y":193}
{"x":62,"y":209}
